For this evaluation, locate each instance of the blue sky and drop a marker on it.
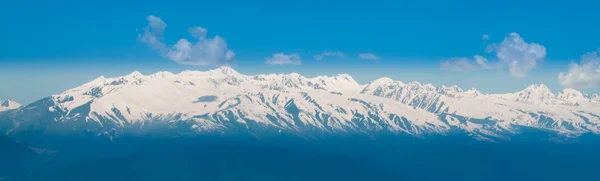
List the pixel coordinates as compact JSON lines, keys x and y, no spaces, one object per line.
{"x":48,"y":47}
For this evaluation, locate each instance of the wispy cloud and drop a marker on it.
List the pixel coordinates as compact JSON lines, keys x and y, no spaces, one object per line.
{"x":368,"y":56}
{"x":464,"y":64}
{"x":202,"y":51}
{"x":282,"y":59}
{"x":485,"y":37}
{"x":513,"y":52}
{"x":330,"y":54}
{"x":585,"y":74}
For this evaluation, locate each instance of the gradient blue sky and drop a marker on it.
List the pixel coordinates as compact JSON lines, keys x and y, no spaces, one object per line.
{"x":48,"y":47}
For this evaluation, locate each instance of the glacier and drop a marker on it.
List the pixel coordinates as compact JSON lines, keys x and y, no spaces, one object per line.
{"x":224,"y":102}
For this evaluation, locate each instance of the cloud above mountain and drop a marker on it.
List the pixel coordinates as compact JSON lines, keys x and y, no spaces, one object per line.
{"x":199,"y":51}
{"x":466,"y":64}
{"x":283,"y":59}
{"x":337,"y":54}
{"x":513,"y":53}
{"x":368,"y":56}
{"x":585,"y":74}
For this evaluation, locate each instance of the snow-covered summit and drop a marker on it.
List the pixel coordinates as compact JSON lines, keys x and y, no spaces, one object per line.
{"x":225,"y":70}
{"x":8,"y":105}
{"x":569,"y":93}
{"x":472,"y":91}
{"x":536,"y":94}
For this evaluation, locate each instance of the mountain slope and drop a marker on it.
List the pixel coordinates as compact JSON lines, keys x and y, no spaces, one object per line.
{"x":14,"y":156}
{"x":223,"y":101}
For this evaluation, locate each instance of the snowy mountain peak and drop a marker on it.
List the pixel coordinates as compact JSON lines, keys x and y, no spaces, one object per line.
{"x":415,"y":83}
{"x":473,"y":91}
{"x":429,"y":87}
{"x":379,"y":85}
{"x":569,"y":93}
{"x":294,"y":74}
{"x":382,"y":80}
{"x":536,"y":93}
{"x":538,"y":88}
{"x":162,"y":74}
{"x":225,"y":70}
{"x":98,"y":81}
{"x":453,"y":88}
{"x":338,"y":78}
{"x":8,"y":105}
{"x":345,"y":77}
{"x":574,"y":97}
{"x":135,"y":74}
{"x":595,"y":98}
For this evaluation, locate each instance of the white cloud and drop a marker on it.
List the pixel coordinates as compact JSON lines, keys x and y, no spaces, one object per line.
{"x":282,"y":59}
{"x":513,"y":52}
{"x":520,"y":56}
{"x":368,"y":56}
{"x":330,"y":54}
{"x":204,"y":51}
{"x":154,"y":33}
{"x":465,"y":64}
{"x":198,"y":32}
{"x":585,"y":74}
{"x":485,"y":37}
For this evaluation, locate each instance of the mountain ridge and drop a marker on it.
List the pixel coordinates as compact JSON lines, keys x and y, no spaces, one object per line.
{"x":222,"y":101}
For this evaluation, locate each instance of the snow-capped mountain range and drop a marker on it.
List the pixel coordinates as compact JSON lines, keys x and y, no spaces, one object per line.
{"x":223,"y":101}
